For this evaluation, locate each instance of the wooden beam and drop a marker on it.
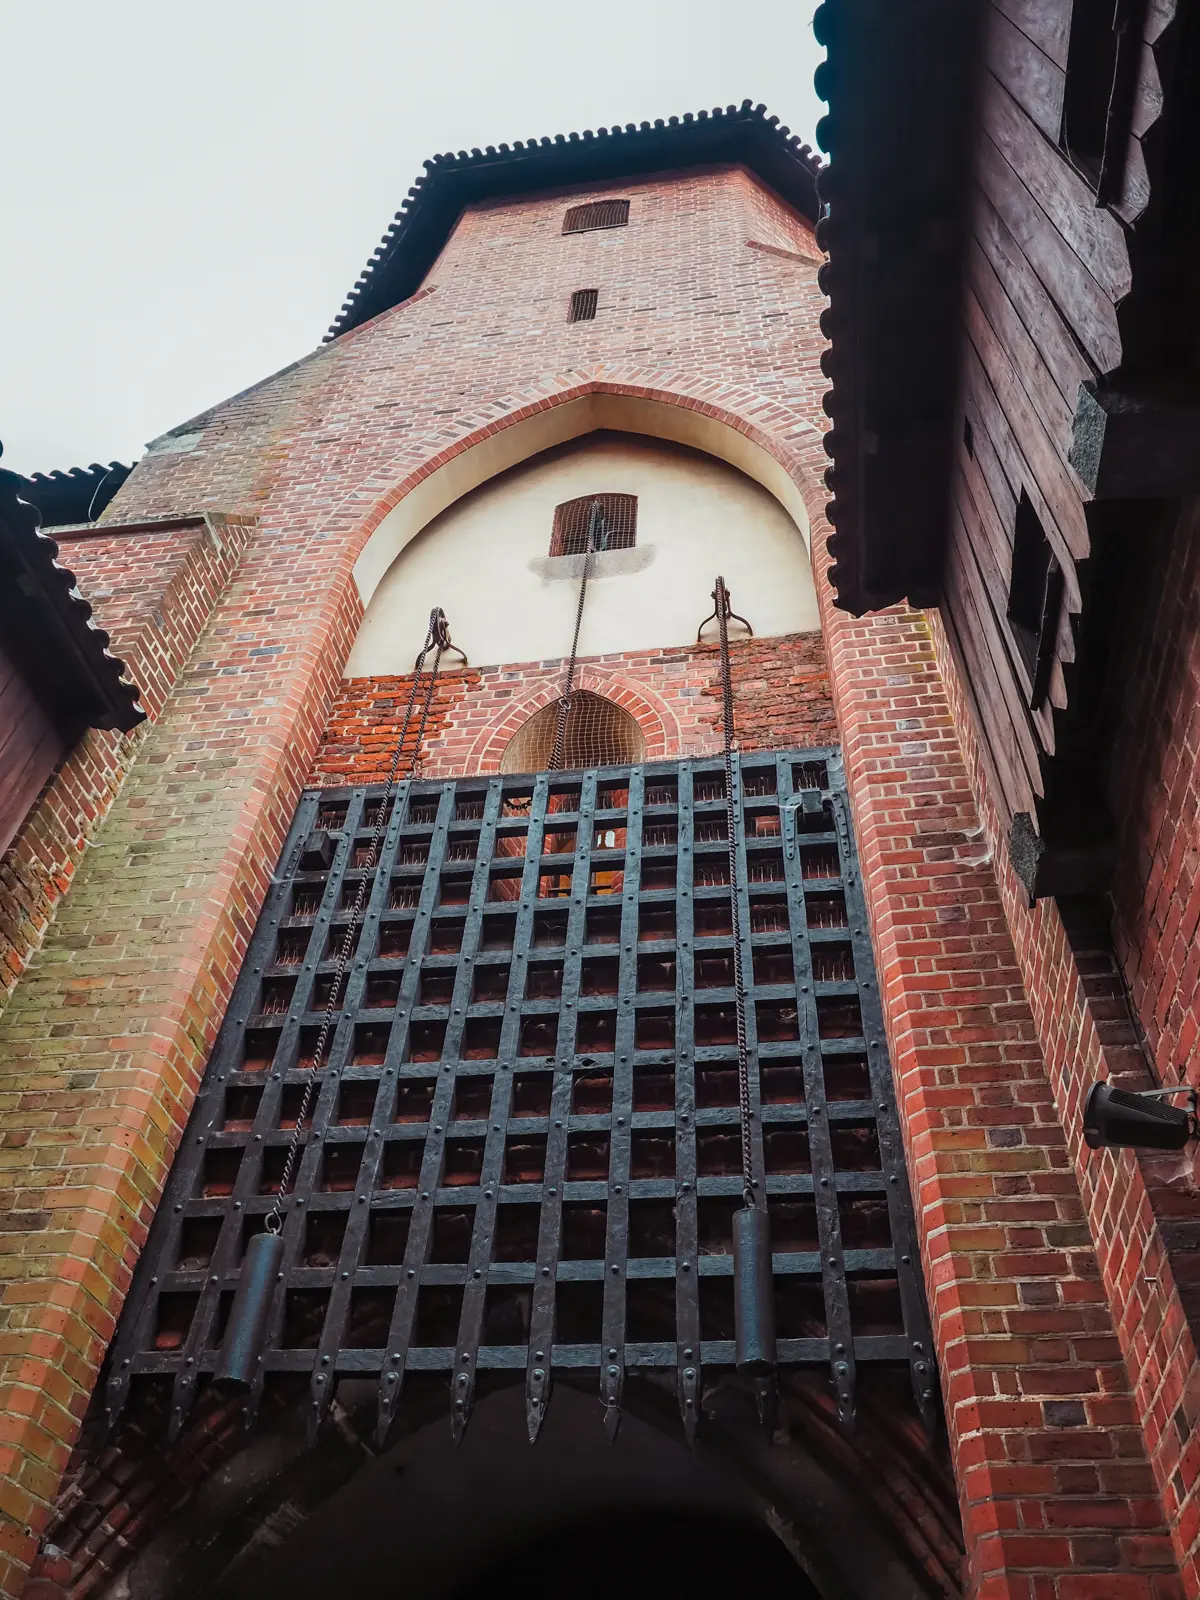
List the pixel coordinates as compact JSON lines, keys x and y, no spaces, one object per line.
{"x":1137,"y":443}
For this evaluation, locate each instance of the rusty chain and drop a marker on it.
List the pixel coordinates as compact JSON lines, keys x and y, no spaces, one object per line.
{"x":723,"y":612}
{"x":594,"y":537}
{"x":437,"y":639}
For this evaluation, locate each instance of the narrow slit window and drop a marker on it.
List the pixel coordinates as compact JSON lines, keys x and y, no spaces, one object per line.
{"x":1034,"y":598}
{"x":583,"y":305}
{"x":596,"y":521}
{"x":596,"y":214}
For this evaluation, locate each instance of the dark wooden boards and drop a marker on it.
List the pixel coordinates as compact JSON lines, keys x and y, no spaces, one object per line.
{"x":30,"y":748}
{"x":1047,"y":270}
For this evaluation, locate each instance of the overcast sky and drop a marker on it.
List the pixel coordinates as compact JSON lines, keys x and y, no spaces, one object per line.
{"x":189,"y":191}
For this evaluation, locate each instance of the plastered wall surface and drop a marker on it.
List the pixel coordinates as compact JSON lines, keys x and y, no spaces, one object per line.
{"x":486,"y":560}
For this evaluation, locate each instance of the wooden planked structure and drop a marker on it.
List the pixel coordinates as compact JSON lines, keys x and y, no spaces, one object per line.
{"x":30,"y":747}
{"x":1072,"y":414}
{"x":1049,"y":268}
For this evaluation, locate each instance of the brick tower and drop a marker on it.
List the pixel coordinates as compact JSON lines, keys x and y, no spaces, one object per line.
{"x":524,"y":1126}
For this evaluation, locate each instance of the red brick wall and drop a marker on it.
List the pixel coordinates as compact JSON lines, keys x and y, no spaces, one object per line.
{"x":151,"y":589}
{"x":680,"y":289}
{"x":1155,"y":794}
{"x":359,"y":739}
{"x":781,"y":697}
{"x":1141,"y":1210}
{"x":1057,"y":1493}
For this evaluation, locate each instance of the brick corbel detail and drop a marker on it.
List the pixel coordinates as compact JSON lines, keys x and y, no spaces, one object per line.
{"x":1057,"y":1496}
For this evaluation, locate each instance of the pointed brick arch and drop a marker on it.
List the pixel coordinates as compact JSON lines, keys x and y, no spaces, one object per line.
{"x":656,"y":721}
{"x":790,"y":437}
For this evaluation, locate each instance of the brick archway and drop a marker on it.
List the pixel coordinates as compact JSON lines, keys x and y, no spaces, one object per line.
{"x":777,"y":444}
{"x":657,"y":721}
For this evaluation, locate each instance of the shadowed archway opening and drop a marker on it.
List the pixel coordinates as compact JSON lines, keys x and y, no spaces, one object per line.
{"x":634,"y":1554}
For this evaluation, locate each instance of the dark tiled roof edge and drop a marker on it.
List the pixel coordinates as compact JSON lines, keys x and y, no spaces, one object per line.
{"x":742,"y":134}
{"x":63,"y":651}
{"x":79,"y":495}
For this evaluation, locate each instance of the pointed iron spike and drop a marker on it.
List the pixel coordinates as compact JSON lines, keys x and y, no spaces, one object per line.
{"x":387,"y":1408}
{"x":183,"y":1394}
{"x":533,"y":1418}
{"x":537,"y":1394}
{"x":689,"y":1402}
{"x":253,"y":1401}
{"x":321,"y":1394}
{"x":321,"y":1389}
{"x":612,"y":1421}
{"x":766,"y":1398}
{"x":928,"y":1412}
{"x":462,"y":1403}
{"x":115,"y":1396}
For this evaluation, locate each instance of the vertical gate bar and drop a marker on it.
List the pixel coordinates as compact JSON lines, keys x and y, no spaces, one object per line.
{"x":747,"y":953}
{"x":541,"y":1322}
{"x":475,"y":1293}
{"x":820,"y":1149}
{"x":891,"y":1146}
{"x":162,"y":1245}
{"x":616,"y":1250}
{"x":295,"y":1215}
{"x":325,"y":1363}
{"x":405,"y":1306}
{"x":687,"y":1248}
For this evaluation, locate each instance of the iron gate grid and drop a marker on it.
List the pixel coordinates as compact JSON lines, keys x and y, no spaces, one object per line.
{"x":524,"y":1148}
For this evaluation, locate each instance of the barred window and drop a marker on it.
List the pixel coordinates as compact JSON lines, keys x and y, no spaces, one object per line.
{"x":598,"y":734}
{"x":583,"y":305}
{"x":596,"y":214}
{"x":614,"y":516}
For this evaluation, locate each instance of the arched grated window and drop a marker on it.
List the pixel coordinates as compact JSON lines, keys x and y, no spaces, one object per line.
{"x":596,"y":214}
{"x":598,"y":734}
{"x":583,"y":305}
{"x":573,"y":522}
